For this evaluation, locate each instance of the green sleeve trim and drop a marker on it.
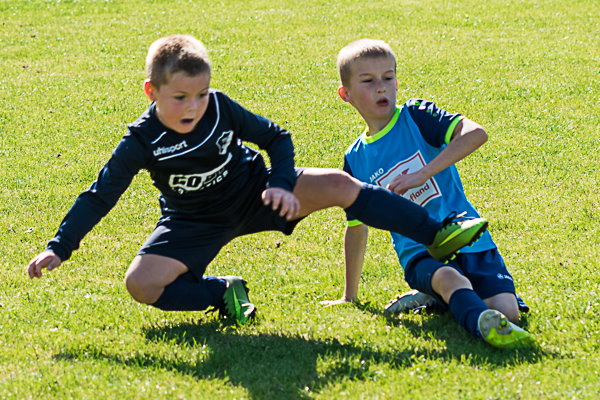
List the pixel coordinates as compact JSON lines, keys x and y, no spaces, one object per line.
{"x":450,"y":130}
{"x":385,"y":130}
{"x":354,"y":222}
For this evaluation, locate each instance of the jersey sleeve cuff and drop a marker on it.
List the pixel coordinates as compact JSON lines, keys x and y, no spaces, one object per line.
{"x":63,"y":254}
{"x":282,"y":184}
{"x":450,"y":130}
{"x":354,"y":222}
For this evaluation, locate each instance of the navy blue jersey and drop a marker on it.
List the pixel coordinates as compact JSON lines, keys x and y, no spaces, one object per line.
{"x":202,"y":174}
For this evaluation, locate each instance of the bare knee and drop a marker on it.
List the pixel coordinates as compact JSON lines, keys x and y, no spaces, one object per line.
{"x":512,"y":315}
{"x":149,"y":274}
{"x":141,"y":289}
{"x":319,"y":188}
{"x":446,"y":280}
{"x":343,"y":188}
{"x":506,"y":303}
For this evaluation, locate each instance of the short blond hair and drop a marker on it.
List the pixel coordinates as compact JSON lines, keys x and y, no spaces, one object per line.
{"x":361,"y":48}
{"x":177,"y":53}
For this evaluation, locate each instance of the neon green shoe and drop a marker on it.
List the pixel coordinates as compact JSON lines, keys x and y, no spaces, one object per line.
{"x":457,"y":231}
{"x":498,"y":331}
{"x":237,"y":305}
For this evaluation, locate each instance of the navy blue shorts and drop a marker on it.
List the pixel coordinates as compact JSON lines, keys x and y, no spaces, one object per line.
{"x":197,"y":241}
{"x":485,"y":270}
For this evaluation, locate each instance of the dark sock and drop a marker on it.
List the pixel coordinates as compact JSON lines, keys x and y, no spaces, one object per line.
{"x":187,"y":293}
{"x":380,"y":208}
{"x":466,"y":306}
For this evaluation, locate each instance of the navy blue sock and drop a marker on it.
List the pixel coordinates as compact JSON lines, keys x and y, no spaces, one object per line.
{"x":466,"y":306}
{"x":187,"y":293}
{"x":383,"y":209}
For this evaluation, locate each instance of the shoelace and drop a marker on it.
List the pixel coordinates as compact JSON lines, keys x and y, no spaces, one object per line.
{"x":454,"y":216}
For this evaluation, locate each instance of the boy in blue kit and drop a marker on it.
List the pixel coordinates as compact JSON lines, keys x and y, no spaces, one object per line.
{"x":411,"y":150}
{"x":214,"y":188}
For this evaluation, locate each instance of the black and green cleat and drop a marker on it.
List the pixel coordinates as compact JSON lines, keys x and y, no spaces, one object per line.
{"x":457,"y":231}
{"x":237,"y":305}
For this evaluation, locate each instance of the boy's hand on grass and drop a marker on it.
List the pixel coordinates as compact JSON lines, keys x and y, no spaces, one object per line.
{"x":46,"y":259}
{"x":343,"y":300}
{"x":283,"y":200}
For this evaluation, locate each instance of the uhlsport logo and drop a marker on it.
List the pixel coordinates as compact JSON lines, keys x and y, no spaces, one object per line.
{"x":170,"y":149}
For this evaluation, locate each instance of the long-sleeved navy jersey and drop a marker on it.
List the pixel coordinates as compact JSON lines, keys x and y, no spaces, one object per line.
{"x":201,"y":174}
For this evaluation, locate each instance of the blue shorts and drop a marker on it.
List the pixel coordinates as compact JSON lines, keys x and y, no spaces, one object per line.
{"x":197,"y":241}
{"x":485,"y":270}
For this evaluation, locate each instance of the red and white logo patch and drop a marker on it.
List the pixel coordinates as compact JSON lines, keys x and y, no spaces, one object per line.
{"x":420,"y":195}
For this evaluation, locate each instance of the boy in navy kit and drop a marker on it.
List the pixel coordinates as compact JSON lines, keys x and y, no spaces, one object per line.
{"x":411,"y":150}
{"x":215,"y":188}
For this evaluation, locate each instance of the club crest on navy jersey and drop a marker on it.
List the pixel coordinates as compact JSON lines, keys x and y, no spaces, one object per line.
{"x":224,"y":141}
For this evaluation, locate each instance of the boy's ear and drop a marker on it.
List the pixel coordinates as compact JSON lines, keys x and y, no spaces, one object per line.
{"x":343,"y":93}
{"x":149,"y":90}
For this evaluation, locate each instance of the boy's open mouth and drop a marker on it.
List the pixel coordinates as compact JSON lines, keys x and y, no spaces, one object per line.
{"x":382,"y":102}
{"x":187,"y":121}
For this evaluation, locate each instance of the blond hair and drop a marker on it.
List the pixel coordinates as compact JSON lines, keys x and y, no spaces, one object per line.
{"x":361,"y":48}
{"x":177,"y":53}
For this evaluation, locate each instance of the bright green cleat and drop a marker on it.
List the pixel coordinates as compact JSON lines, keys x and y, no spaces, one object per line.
{"x":456,"y":232}
{"x":237,"y":305}
{"x":498,"y":331}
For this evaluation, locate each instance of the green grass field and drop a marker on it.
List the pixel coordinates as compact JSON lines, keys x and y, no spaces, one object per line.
{"x":528,"y":71}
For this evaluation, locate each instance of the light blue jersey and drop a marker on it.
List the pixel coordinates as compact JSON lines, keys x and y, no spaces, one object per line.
{"x":417,"y":133}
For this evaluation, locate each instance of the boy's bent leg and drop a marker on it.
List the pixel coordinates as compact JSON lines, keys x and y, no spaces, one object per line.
{"x":149,"y":274}
{"x":166,"y":283}
{"x":169,"y":270}
{"x":495,"y":284}
{"x":457,"y":291}
{"x":320,"y":188}
{"x":446,"y":280}
{"x":448,"y":284}
{"x":492,"y":325}
{"x":380,"y":208}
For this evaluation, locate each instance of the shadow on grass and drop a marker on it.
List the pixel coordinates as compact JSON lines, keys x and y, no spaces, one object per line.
{"x":279,"y":366}
{"x":268,"y":366}
{"x":441,"y":325}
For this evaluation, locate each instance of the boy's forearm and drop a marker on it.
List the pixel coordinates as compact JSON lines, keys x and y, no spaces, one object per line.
{"x":355,"y":244}
{"x":281,"y":156}
{"x":468,"y":136}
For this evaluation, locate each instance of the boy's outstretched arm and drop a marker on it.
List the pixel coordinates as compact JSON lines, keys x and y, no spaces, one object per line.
{"x":467,"y":137}
{"x":355,"y":244}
